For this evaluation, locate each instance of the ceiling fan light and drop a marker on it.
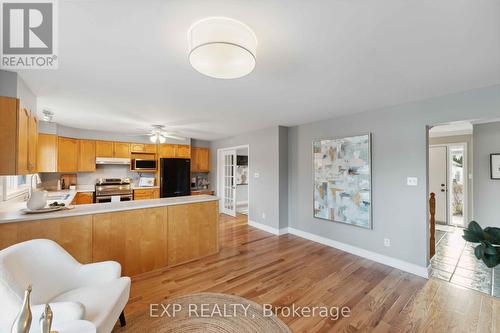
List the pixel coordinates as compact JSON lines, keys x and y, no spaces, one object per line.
{"x":222,"y":48}
{"x":162,"y":139}
{"x":153,"y":138}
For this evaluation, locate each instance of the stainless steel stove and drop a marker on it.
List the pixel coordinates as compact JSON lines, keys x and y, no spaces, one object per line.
{"x":111,"y":189}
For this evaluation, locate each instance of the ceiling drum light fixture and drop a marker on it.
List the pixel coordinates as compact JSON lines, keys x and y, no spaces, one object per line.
{"x":222,"y":48}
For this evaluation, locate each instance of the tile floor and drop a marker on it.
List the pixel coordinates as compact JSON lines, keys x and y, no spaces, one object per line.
{"x":455,"y":262}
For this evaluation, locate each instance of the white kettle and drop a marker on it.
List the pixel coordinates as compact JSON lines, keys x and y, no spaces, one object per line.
{"x":37,"y":200}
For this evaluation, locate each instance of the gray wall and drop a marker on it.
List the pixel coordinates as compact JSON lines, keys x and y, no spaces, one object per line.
{"x":470,"y":165}
{"x":8,"y":83}
{"x":11,"y":85}
{"x":399,"y":150}
{"x":263,"y":159}
{"x":283,"y":176}
{"x":27,"y":99}
{"x":486,"y":190}
{"x":200,"y":143}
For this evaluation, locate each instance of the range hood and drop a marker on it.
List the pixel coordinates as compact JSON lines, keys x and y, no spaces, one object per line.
{"x":112,"y":160}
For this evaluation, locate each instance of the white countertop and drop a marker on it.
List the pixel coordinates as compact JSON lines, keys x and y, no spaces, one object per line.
{"x":144,"y":187}
{"x":11,"y":213}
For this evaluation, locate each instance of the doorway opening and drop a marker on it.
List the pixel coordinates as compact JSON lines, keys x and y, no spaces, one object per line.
{"x":447,"y":180}
{"x":233,"y":180}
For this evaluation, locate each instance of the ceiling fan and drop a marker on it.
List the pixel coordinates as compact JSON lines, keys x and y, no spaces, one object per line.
{"x":158,"y":134}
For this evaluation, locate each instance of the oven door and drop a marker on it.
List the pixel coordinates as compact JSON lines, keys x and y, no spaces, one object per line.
{"x":108,"y":198}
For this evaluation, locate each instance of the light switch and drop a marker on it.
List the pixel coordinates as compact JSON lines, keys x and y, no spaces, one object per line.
{"x":256,"y":175}
{"x":412,"y":181}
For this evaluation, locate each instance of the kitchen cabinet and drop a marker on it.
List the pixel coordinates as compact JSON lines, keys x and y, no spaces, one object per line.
{"x":202,"y":192}
{"x":104,"y":149}
{"x":86,"y":155}
{"x":47,"y":153}
{"x":146,"y":193}
{"x":67,"y":154}
{"x":19,"y":137}
{"x":167,"y":151}
{"x":83,"y":198}
{"x":121,"y":149}
{"x":200,"y":159}
{"x":194,"y":233}
{"x":183,"y":151}
{"x":142,"y":148}
{"x":32,"y":144}
{"x":174,"y":151}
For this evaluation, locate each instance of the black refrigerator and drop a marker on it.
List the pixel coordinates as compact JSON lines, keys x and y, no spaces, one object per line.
{"x":175,"y":174}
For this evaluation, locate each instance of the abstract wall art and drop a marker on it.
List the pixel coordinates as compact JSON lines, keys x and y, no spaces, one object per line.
{"x":342,"y":180}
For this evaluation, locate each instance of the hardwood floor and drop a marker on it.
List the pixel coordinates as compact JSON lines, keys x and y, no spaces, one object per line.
{"x":288,"y":269}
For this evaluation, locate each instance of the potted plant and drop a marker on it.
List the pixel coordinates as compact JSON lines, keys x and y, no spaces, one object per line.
{"x":488,"y":238}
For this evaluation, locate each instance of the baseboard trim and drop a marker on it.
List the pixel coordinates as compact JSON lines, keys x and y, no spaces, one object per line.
{"x":267,"y":228}
{"x":380,"y":258}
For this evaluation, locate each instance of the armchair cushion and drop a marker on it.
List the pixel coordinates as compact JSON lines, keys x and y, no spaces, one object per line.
{"x":103,"y":303}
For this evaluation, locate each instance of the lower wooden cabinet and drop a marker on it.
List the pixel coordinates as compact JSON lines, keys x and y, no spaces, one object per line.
{"x":192,"y":231}
{"x":141,"y":240}
{"x":148,"y":193}
{"x":137,"y":239}
{"x":74,"y":234}
{"x":202,"y":192}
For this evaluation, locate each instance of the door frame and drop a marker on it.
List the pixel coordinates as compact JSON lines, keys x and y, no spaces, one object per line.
{"x":220,"y":177}
{"x":449,"y":186}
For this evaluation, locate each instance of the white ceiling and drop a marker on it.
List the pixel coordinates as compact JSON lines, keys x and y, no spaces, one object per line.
{"x":123,"y":64}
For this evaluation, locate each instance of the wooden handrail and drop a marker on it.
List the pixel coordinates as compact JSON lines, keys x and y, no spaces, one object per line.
{"x":432,"y":223}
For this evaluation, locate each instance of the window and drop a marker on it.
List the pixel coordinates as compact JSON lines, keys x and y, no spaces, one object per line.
{"x":13,"y":186}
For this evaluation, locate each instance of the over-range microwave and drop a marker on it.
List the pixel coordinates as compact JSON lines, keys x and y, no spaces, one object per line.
{"x":143,"y":165}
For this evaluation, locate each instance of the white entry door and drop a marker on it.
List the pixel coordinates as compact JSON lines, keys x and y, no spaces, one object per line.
{"x":438,"y":175}
{"x":229,"y":182}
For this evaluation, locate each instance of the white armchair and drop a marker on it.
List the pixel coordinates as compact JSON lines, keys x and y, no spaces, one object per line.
{"x":93,"y":292}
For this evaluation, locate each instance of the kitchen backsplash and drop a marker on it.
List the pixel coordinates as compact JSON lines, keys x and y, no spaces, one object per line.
{"x":49,"y":180}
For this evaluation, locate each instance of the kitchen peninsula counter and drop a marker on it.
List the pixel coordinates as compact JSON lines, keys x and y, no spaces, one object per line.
{"x":143,"y":235}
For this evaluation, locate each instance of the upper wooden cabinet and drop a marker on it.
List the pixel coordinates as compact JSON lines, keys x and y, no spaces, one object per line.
{"x":174,"y":151}
{"x":143,"y":148}
{"x":112,"y":149}
{"x":32,"y":144}
{"x":104,"y":149}
{"x":167,"y":151}
{"x":67,"y":156}
{"x":18,"y":137}
{"x":47,"y":153}
{"x":86,"y":155}
{"x":200,"y":160}
{"x":121,"y":149}
{"x":183,"y":151}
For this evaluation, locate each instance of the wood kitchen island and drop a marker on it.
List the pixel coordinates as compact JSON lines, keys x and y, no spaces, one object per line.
{"x":142,"y":236}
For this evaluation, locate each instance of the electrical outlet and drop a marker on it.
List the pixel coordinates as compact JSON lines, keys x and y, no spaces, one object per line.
{"x":263,"y":216}
{"x":412,"y":181}
{"x":387,"y":242}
